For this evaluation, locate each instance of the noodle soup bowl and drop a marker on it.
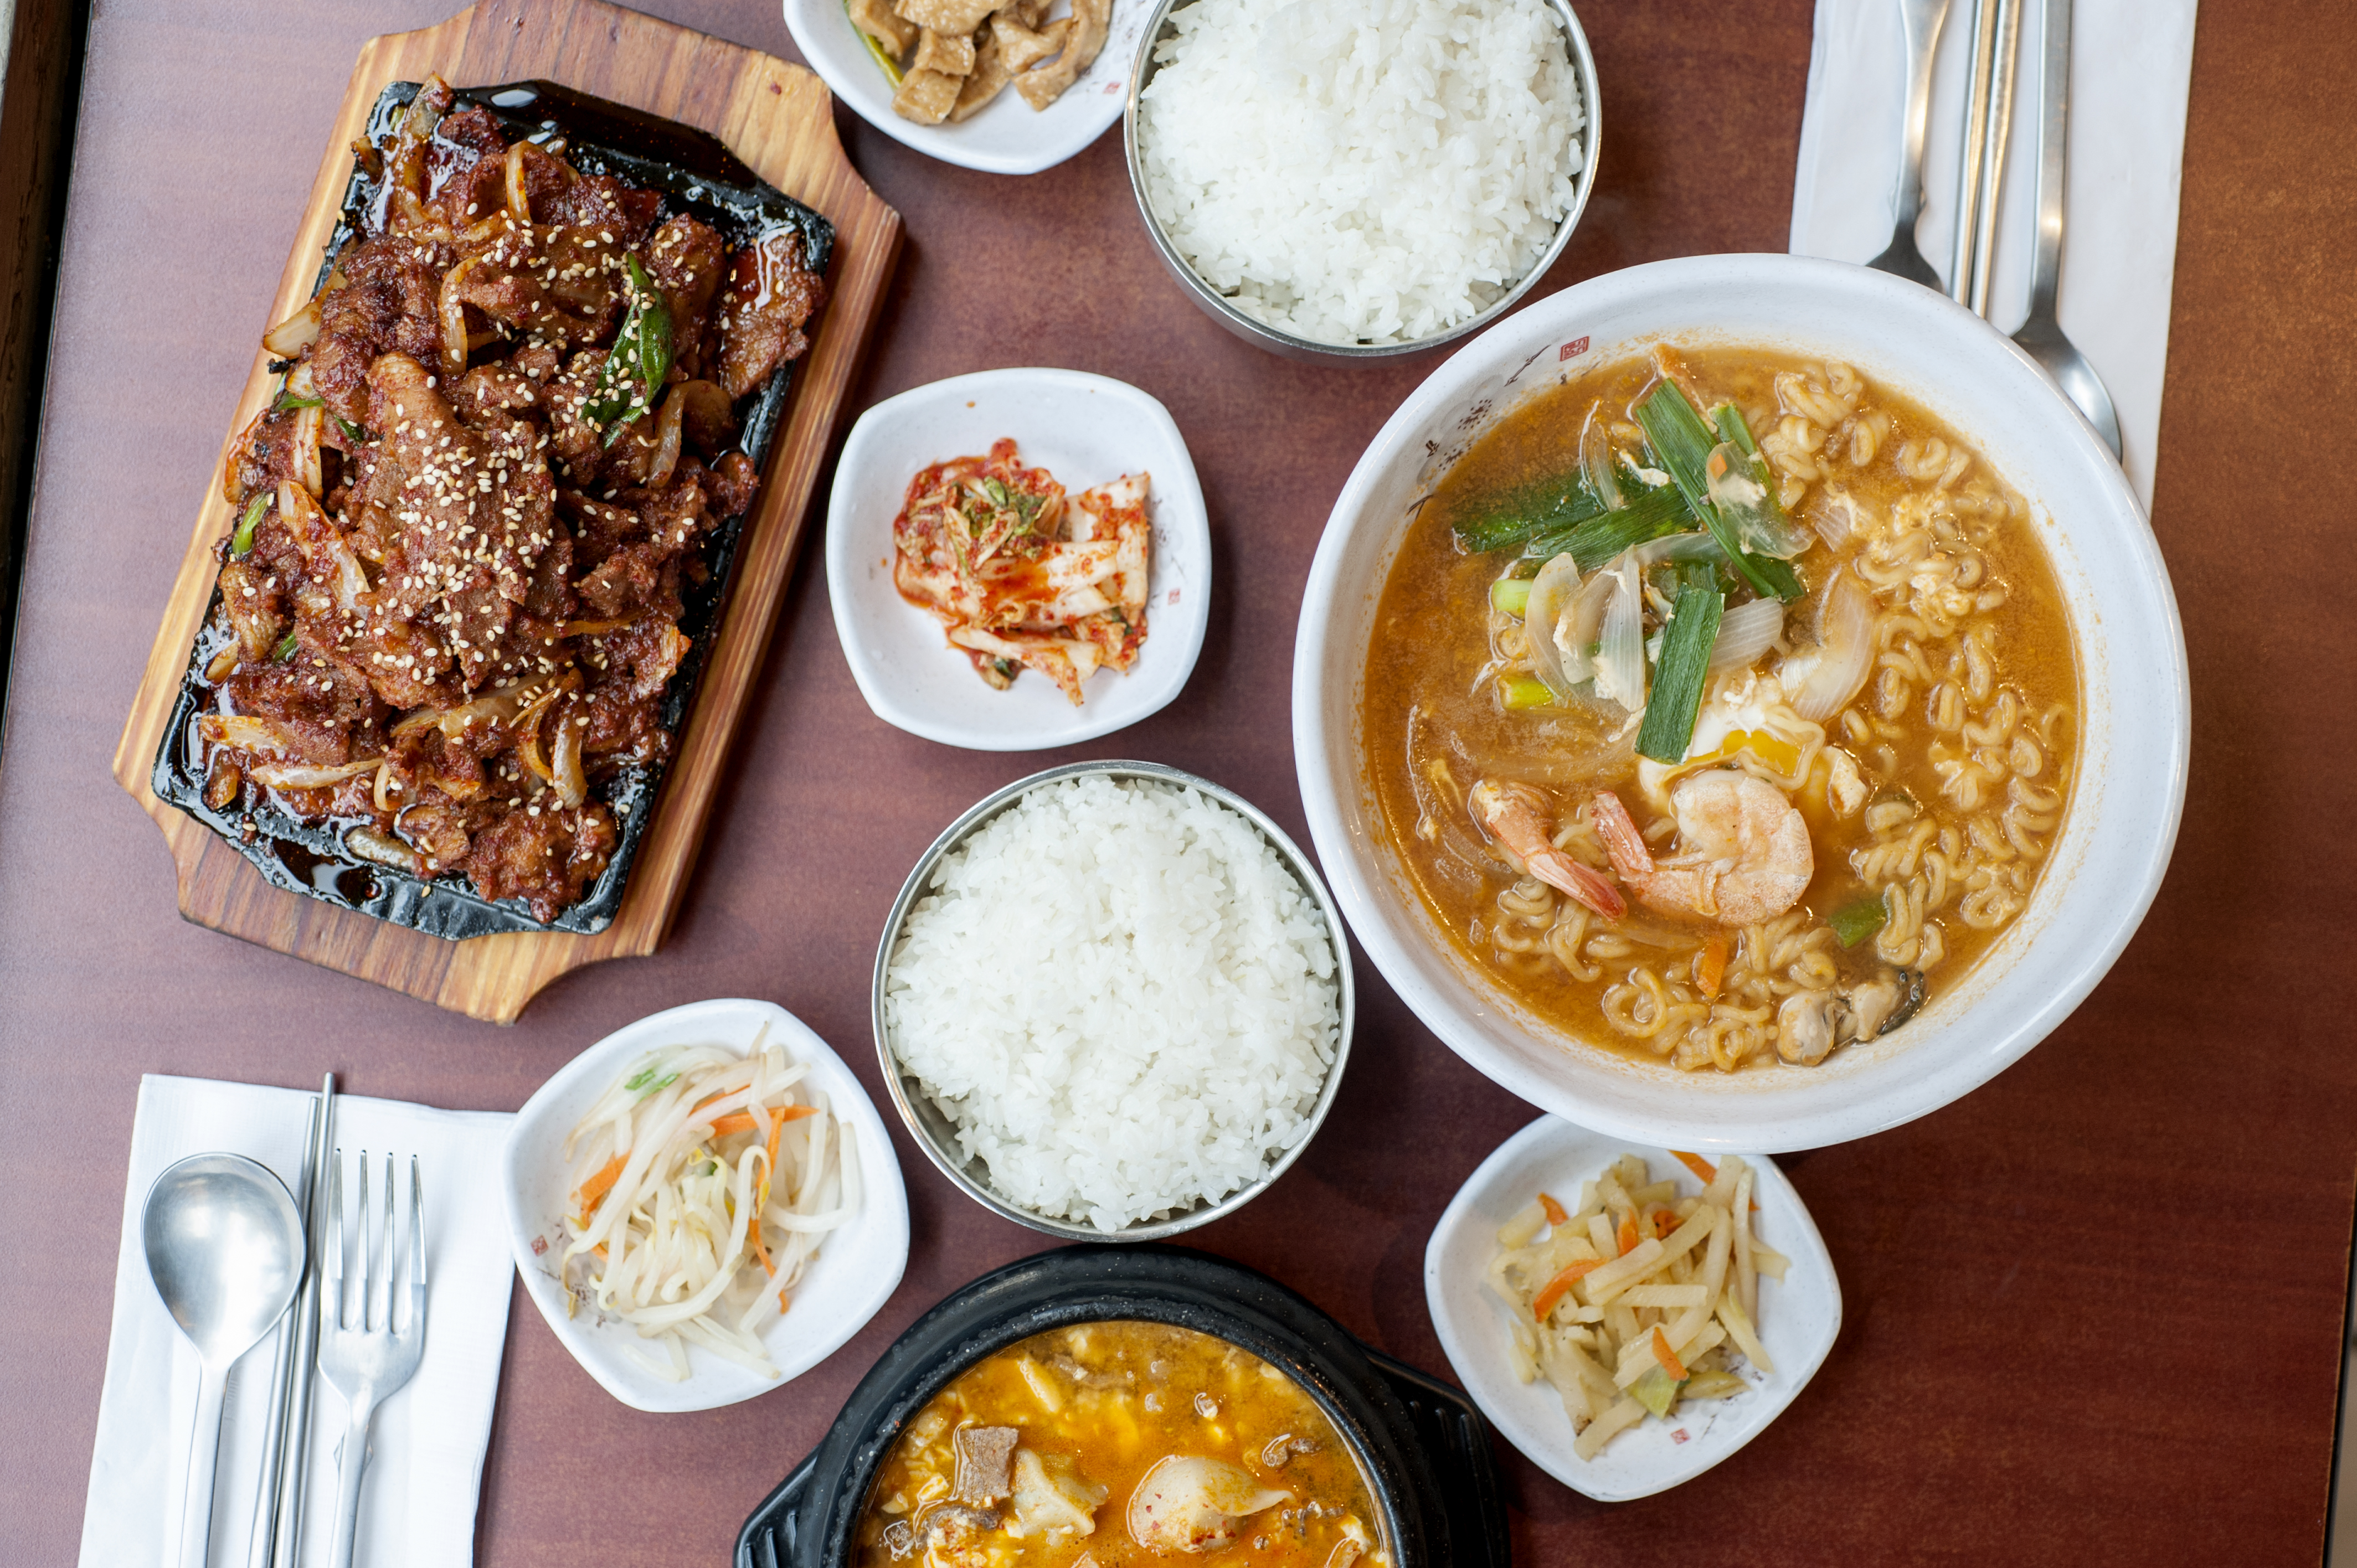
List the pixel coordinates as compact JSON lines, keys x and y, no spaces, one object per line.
{"x":857,"y":1267}
{"x":2108,"y":856}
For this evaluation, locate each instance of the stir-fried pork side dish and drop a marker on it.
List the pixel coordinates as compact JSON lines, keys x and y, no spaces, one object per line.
{"x":1722,"y":706}
{"x":1116,"y":1444}
{"x":509,"y":425}
{"x":1023,"y":576}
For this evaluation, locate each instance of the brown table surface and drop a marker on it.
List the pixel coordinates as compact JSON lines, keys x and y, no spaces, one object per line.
{"x":2093,"y":1310}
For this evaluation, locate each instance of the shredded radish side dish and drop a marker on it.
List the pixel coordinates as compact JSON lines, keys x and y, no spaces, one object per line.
{"x":703,"y":1182}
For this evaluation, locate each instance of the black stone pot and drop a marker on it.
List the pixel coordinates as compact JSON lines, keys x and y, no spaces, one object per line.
{"x":1423,"y":1447}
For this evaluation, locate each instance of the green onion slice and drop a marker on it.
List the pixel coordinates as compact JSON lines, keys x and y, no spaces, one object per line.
{"x":285,"y":651}
{"x":1853,"y":923}
{"x":1511,"y":595}
{"x":1653,"y":514}
{"x":240,"y":543}
{"x":1544,"y":509}
{"x":1679,"y":676}
{"x":1522,"y":691}
{"x":1682,"y":443}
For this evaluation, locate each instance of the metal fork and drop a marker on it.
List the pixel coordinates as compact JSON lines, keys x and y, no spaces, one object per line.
{"x":1920,"y":21}
{"x":369,"y":1359}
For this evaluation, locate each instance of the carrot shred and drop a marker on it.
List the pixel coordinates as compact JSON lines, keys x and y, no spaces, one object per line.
{"x":742,"y":1121}
{"x":1553,"y":1291}
{"x":1556,"y":1213}
{"x":1664,"y":1222}
{"x":762,"y":1249}
{"x":1697,"y":1163}
{"x":1627,"y":1234}
{"x":1711,"y":969}
{"x":1670,"y":1363}
{"x":593,"y":1192}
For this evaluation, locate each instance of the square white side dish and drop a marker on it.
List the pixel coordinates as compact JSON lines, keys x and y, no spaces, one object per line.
{"x":1008,"y":137}
{"x":856,"y":1271}
{"x":1799,"y":1316}
{"x":1085,"y":430}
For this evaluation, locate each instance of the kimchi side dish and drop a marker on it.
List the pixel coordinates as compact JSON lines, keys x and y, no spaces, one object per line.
{"x":1022,"y":575}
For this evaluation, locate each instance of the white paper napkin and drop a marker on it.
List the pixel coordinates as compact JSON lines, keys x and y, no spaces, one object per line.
{"x":426,"y":1469}
{"x":2130,"y":62}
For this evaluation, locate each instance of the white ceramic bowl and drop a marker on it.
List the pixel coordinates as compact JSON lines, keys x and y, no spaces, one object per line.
{"x":2114,"y":844}
{"x":1084,"y":429}
{"x":1800,"y":1316}
{"x":1007,"y":137}
{"x":854,"y":1273}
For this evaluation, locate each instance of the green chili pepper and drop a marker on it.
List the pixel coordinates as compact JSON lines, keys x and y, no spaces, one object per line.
{"x":637,"y":363}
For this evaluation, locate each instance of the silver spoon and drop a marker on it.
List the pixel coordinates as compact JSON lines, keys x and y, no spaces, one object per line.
{"x":2041,"y":334}
{"x":1920,"y":19}
{"x":225,"y":1247}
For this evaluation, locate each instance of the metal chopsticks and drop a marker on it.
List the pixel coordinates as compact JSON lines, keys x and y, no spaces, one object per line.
{"x":286,"y":1445}
{"x":1980,"y":174}
{"x":282,"y":1368}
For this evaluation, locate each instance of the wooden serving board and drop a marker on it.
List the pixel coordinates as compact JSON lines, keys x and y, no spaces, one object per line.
{"x":779,"y":119}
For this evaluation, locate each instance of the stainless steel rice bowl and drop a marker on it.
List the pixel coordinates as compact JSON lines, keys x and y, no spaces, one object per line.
{"x":932,"y":1128}
{"x":1252,"y":330}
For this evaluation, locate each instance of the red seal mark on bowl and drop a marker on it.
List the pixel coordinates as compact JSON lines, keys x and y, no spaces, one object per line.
{"x":1572,"y":350}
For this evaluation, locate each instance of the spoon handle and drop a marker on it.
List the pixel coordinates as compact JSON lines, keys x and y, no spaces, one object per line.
{"x":2053,"y":157}
{"x":348,"y":1483}
{"x":204,"y":1452}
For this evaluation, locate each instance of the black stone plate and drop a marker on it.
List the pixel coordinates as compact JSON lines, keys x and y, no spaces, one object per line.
{"x":697,"y":175}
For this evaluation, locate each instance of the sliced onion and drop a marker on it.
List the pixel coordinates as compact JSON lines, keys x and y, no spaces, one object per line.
{"x":306,"y":776}
{"x":1834,"y":517}
{"x":1596,"y":461}
{"x":505,"y":704}
{"x":1551,"y":590}
{"x":666,"y":459}
{"x":385,"y":850}
{"x":1676,"y":547}
{"x":1821,"y":680}
{"x":310,"y":423}
{"x":298,"y":332}
{"x":1621,"y":659}
{"x":454,"y":319}
{"x":1576,"y":630}
{"x":519,"y":196}
{"x":565,"y":762}
{"x":1744,"y":633}
{"x":1744,"y":502}
{"x":246,"y":733}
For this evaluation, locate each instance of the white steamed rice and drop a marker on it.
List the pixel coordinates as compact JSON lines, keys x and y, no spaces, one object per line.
{"x":1363,"y":170}
{"x":1121,"y":997}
